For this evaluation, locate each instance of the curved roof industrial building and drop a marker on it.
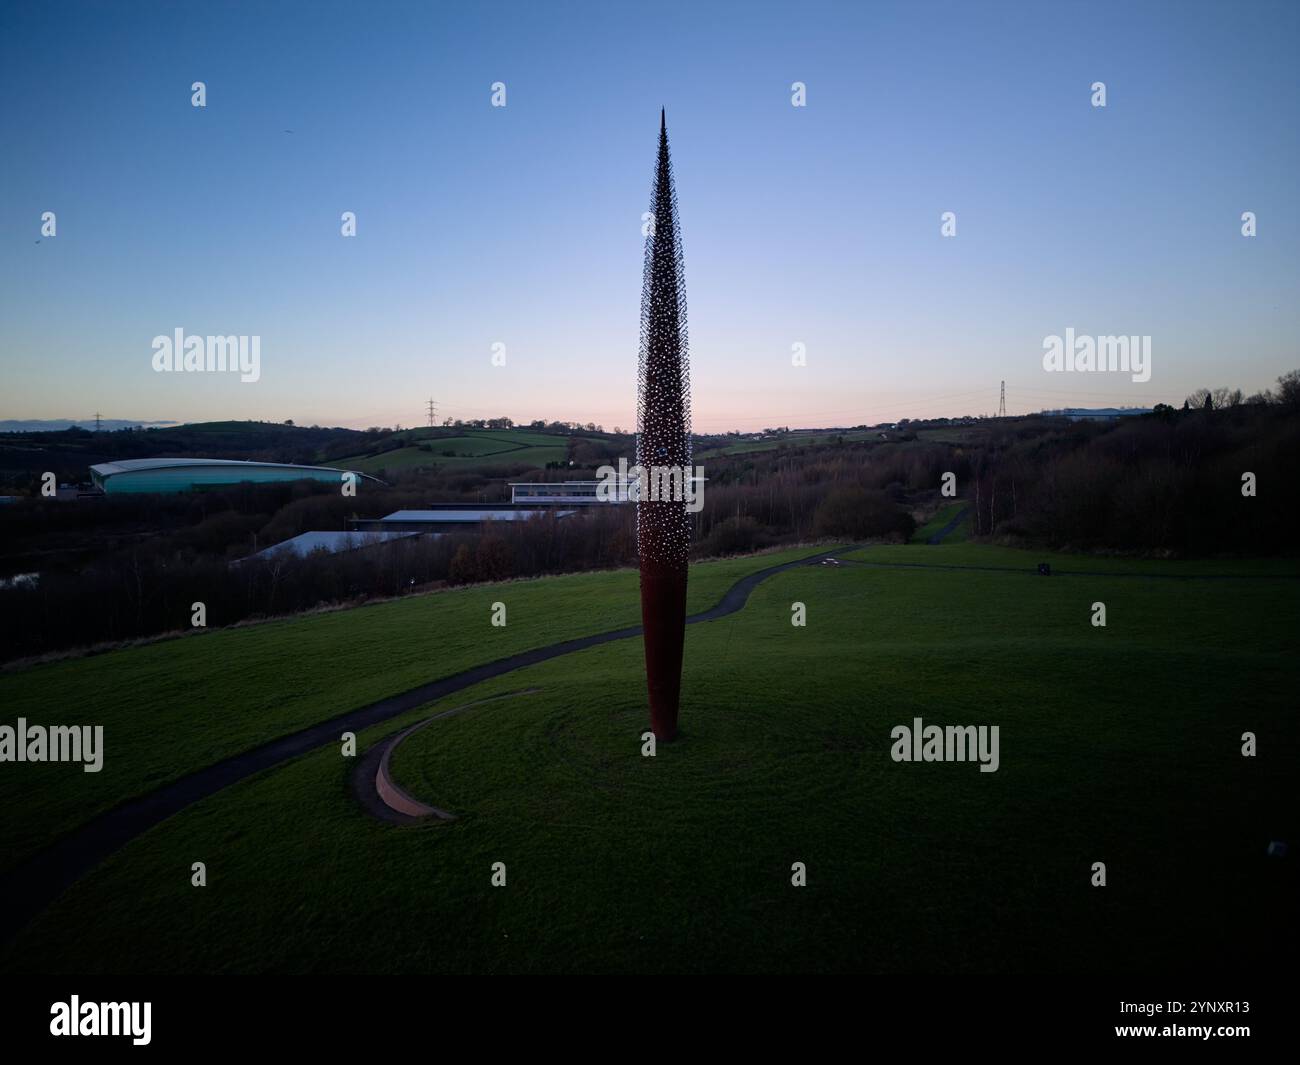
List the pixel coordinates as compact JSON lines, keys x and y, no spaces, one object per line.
{"x":195,"y":475}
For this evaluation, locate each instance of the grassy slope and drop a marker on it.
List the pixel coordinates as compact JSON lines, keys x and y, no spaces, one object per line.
{"x":969,"y":554}
{"x":471,"y":448}
{"x":484,"y":441}
{"x":171,"y":707}
{"x":746,"y":447}
{"x":941,"y":518}
{"x":408,"y":458}
{"x":1119,"y":745}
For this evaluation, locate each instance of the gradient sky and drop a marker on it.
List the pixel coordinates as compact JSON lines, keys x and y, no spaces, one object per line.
{"x":521,"y":224}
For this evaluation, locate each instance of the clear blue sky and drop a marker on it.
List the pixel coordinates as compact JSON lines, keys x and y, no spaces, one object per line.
{"x":521,"y":225}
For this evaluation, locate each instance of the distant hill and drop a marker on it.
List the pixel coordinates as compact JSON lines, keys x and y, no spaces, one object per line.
{"x":70,"y":452}
{"x":55,"y":425}
{"x":462,"y":448}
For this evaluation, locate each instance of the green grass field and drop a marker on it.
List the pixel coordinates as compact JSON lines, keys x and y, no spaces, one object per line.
{"x":746,"y":447}
{"x":961,"y":553}
{"x":1119,"y":745}
{"x":177,"y":705}
{"x":481,"y":441}
{"x":471,"y":448}
{"x":942,"y":517}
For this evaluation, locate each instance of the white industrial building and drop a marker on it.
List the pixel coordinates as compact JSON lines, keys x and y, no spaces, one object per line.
{"x":571,"y":493}
{"x":450,"y":518}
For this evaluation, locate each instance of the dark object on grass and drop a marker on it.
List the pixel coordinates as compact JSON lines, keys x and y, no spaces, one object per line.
{"x":663,"y":527}
{"x":1044,"y":569}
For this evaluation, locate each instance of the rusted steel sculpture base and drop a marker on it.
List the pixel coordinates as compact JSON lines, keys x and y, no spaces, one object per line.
{"x":663,"y":617}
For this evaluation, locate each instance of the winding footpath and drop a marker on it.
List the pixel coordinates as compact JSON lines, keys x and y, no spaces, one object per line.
{"x":958,"y":518}
{"x":380,"y":795}
{"x":33,"y":885}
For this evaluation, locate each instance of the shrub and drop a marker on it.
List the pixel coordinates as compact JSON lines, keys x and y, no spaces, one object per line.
{"x":859,"y":514}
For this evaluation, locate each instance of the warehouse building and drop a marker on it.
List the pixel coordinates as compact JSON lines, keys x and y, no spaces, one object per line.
{"x":583,"y":493}
{"x":570,"y":493}
{"x":449,"y":517}
{"x":1097,"y":414}
{"x":308,"y":543}
{"x":198,"y":475}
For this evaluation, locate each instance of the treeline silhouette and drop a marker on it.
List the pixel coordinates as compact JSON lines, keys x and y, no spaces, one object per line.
{"x":127,"y":567}
{"x":1174,"y":483}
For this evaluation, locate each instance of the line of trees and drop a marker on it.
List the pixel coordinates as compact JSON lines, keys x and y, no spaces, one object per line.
{"x":1199,"y":482}
{"x":1287,"y":394}
{"x":139,"y":562}
{"x":1173,"y":482}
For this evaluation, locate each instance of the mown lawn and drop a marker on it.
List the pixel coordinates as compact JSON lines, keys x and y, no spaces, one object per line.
{"x":1119,"y":745}
{"x":961,"y":553}
{"x":177,"y":705}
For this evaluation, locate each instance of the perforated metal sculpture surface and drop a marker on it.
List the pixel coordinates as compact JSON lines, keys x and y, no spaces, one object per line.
{"x":663,"y":442}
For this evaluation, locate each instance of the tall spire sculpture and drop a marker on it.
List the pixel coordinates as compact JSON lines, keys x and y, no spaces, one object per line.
{"x":663,"y":526}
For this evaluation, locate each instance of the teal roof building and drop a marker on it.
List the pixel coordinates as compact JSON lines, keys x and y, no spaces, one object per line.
{"x":197,"y":475}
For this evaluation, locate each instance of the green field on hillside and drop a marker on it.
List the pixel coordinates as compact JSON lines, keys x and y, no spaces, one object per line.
{"x":1118,"y":744}
{"x":1026,"y":562}
{"x":483,"y":441}
{"x":472,"y":447}
{"x":746,"y":447}
{"x":174,"y":706}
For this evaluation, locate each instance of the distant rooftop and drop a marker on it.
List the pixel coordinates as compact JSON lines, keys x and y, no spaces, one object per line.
{"x":105,"y":469}
{"x":557,"y":484}
{"x":469,"y":516}
{"x":577,"y":492}
{"x":1097,"y":413}
{"x":305,"y":543}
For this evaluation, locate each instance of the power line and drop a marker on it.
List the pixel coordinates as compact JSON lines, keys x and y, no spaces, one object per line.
{"x":1075,"y":392}
{"x":432,"y":412}
{"x":96,"y":421}
{"x":1002,"y":403}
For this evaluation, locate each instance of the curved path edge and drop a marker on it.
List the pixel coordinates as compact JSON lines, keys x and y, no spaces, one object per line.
{"x":372,"y":780}
{"x":938,"y":537}
{"x":32,"y":885}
